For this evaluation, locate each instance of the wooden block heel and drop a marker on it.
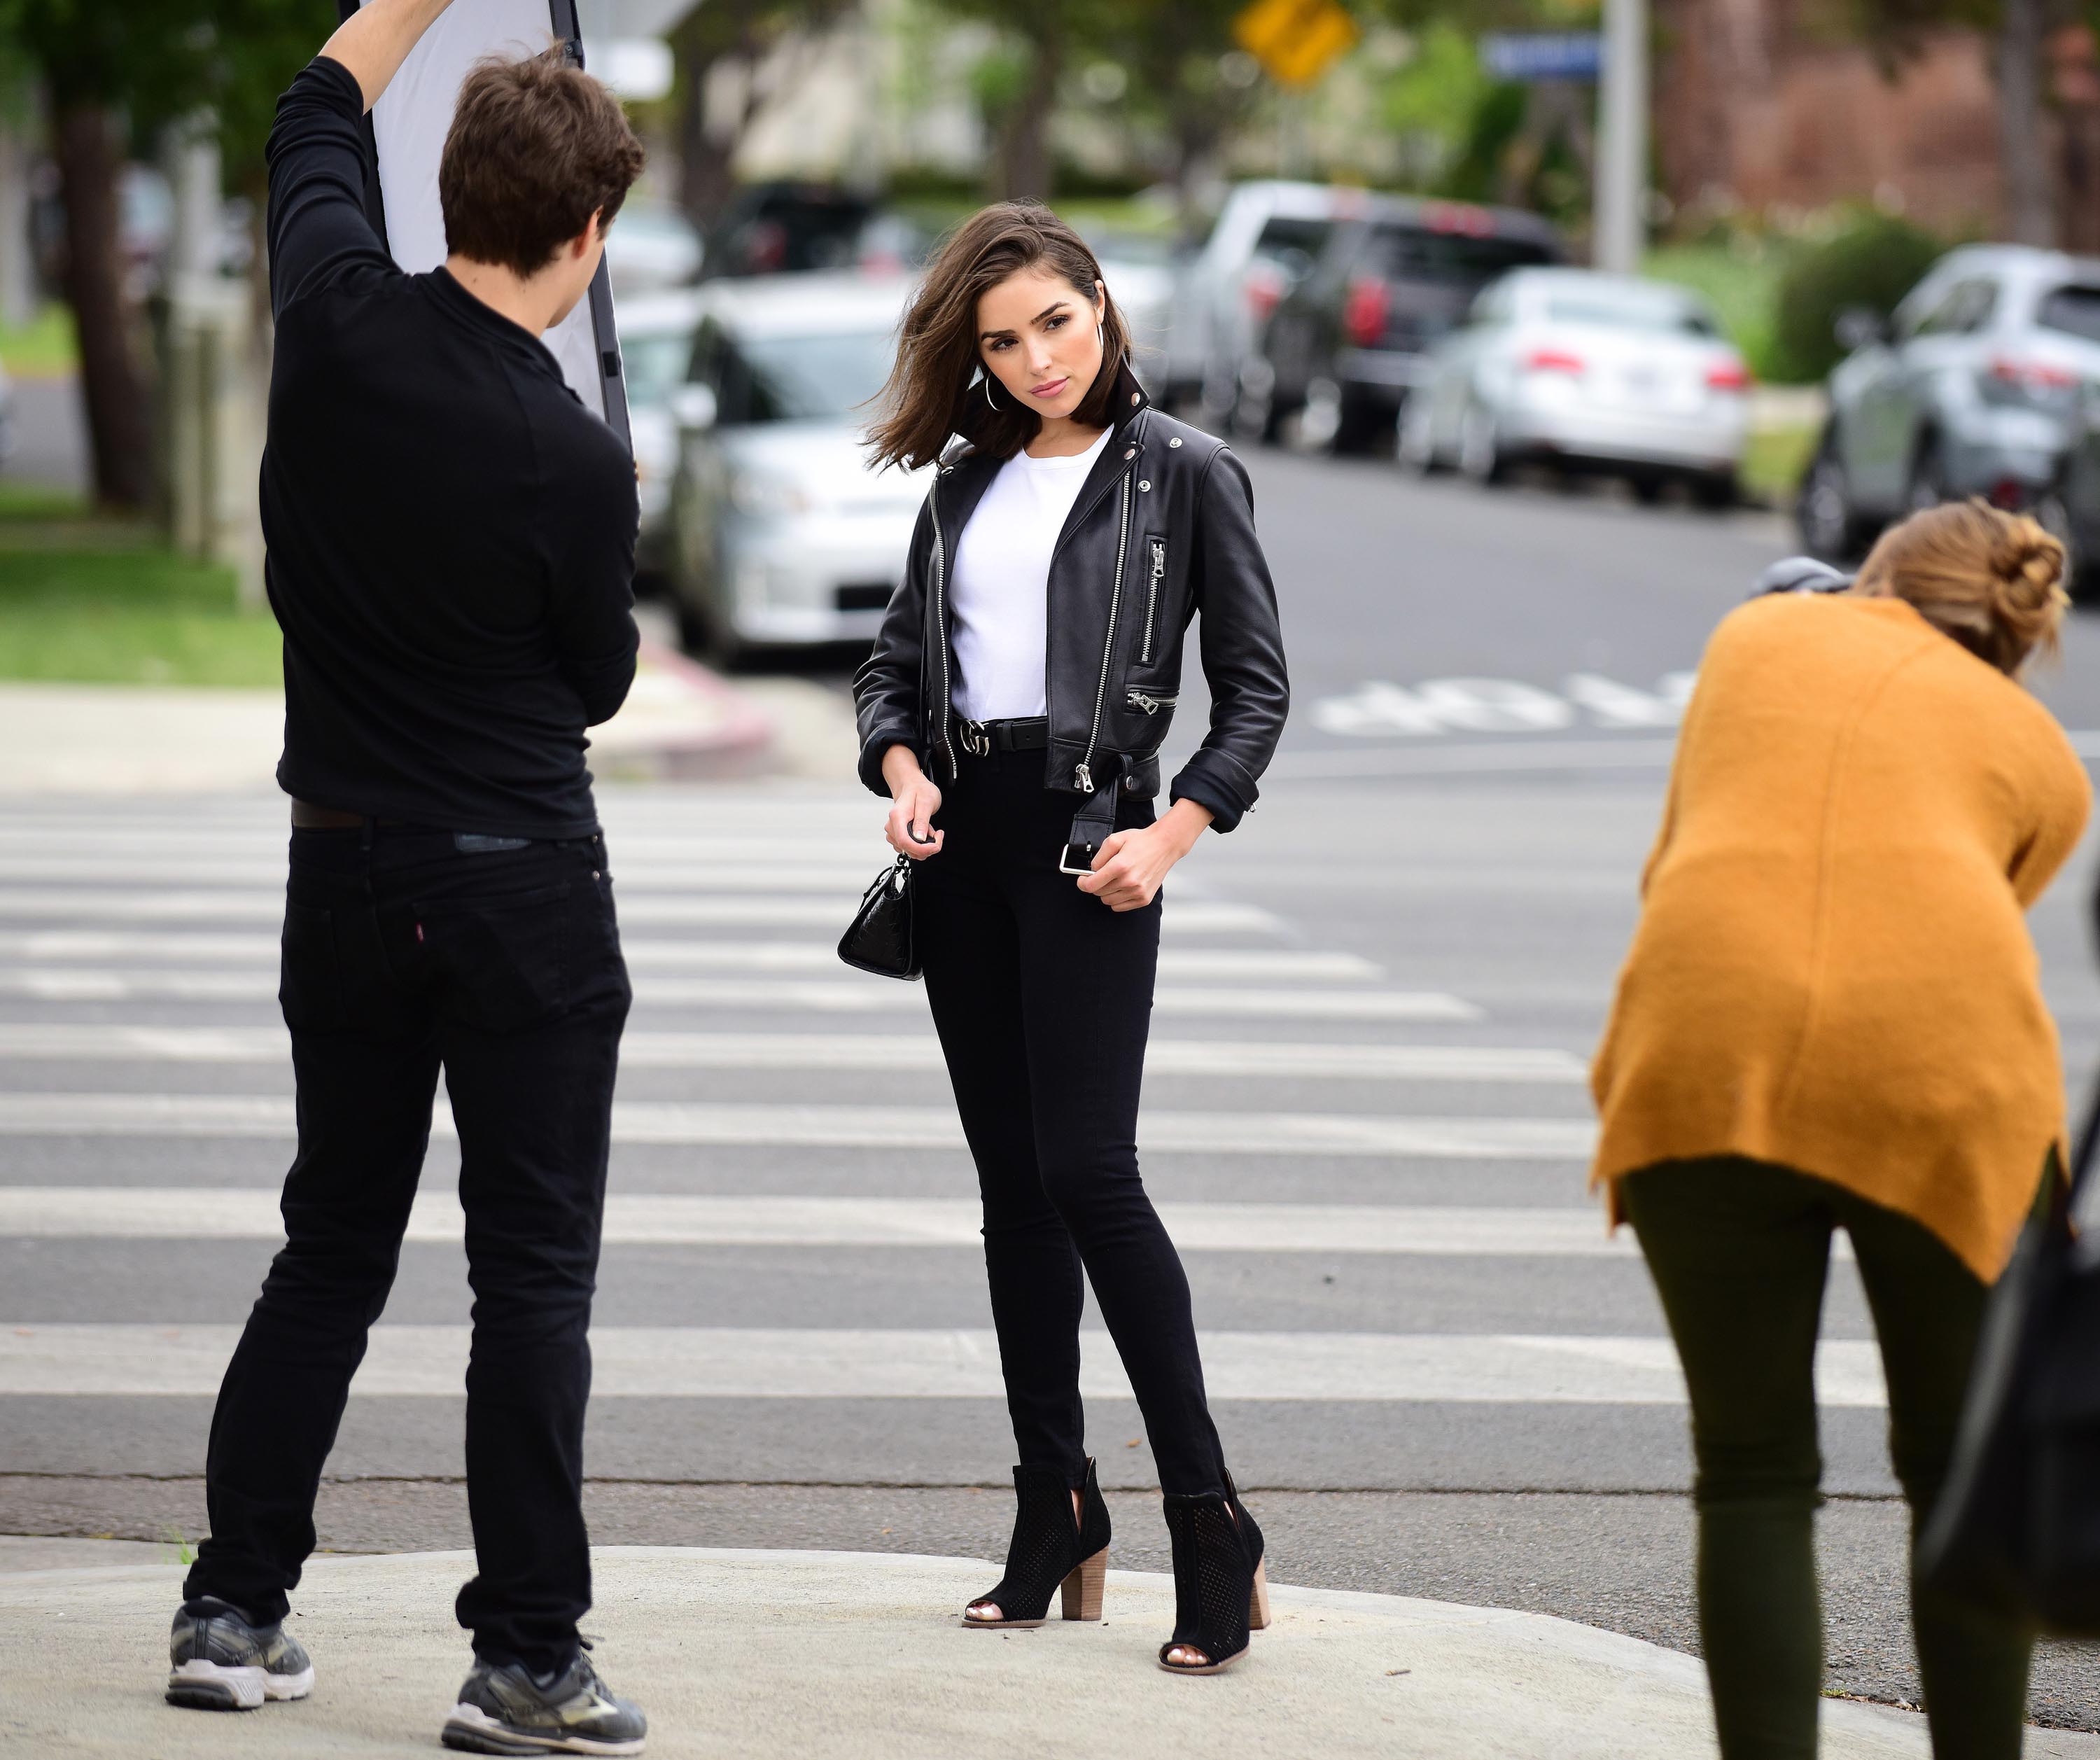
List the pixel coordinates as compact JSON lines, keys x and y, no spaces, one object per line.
{"x":1083,"y":1588}
{"x":1054,"y":1548}
{"x":1258,"y":1602}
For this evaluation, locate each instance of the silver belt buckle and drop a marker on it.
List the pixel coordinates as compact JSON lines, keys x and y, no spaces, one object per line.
{"x":977,"y":739}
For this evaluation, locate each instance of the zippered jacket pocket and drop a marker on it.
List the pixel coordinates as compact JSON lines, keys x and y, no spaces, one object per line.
{"x":1147,"y":702}
{"x":1155,"y":578}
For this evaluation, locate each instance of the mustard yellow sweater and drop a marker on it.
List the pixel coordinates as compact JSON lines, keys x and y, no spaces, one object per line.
{"x":1833,"y":970}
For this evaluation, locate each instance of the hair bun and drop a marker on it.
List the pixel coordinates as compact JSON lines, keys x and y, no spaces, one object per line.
{"x":1992,"y":581}
{"x":2027,"y":563}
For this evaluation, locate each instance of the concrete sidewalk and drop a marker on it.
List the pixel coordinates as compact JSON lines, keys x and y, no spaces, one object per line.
{"x":816,"y":1654}
{"x":681,"y":721}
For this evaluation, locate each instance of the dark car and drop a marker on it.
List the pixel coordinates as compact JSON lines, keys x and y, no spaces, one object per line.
{"x":789,"y":228}
{"x":1351,"y":338}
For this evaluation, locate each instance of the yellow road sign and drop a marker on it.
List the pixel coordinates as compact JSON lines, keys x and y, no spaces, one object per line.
{"x":1295,"y":39}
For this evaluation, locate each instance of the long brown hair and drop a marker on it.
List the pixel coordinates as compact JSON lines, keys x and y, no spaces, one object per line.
{"x":1991,"y":580}
{"x":930,"y":396}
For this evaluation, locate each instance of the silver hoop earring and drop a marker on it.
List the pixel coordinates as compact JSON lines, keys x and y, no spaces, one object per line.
{"x":987,"y":382}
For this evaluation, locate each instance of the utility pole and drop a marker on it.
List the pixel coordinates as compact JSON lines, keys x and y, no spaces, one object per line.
{"x":1619,"y":228}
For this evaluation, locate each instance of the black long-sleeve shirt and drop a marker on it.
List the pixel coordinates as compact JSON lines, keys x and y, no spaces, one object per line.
{"x":450,"y":532}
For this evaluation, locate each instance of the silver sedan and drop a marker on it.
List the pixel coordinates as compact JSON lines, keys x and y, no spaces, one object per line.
{"x":1583,"y":370}
{"x":781,"y":535}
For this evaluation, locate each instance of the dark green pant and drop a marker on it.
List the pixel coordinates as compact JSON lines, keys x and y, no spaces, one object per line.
{"x":1739,"y":1251}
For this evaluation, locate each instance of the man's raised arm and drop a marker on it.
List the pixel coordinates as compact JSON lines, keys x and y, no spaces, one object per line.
{"x":373,"y":44}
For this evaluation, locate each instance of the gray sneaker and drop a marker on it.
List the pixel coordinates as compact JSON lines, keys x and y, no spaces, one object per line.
{"x":224,"y":1662}
{"x":503,"y":1709}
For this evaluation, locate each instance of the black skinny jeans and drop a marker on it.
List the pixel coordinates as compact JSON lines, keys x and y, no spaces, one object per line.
{"x":1739,"y":1250}
{"x":403,"y":954}
{"x":1043,"y":999}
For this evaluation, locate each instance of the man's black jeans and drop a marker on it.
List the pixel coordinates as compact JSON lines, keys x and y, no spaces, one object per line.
{"x":1043,"y":999}
{"x":403,"y":954}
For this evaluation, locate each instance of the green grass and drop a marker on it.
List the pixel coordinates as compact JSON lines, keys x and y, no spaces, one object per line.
{"x":1741,"y":281}
{"x":103,"y":601}
{"x":1773,"y":461}
{"x":43,"y":348}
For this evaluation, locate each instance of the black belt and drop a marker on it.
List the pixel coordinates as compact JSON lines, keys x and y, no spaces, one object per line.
{"x":982,"y":739}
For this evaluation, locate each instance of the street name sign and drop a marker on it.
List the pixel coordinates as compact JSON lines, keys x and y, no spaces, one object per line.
{"x":1528,"y":57}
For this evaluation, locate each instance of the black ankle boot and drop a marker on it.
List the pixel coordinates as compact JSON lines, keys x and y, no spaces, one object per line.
{"x":1220,"y":1580}
{"x":1049,"y":1549}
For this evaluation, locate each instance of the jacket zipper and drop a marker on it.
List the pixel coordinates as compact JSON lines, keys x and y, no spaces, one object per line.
{"x":941,"y":617}
{"x":1152,"y":705}
{"x":1083,"y":775}
{"x":1152,"y":599}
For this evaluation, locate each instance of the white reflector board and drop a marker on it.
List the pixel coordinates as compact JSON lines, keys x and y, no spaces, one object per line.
{"x":409,"y":124}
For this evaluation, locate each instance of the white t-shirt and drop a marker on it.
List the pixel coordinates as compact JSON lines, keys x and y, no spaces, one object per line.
{"x":999,"y":588}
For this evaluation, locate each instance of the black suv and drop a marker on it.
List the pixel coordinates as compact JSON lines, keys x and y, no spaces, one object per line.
{"x":1350,"y":341}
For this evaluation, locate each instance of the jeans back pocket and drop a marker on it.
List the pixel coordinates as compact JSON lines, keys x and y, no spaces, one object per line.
{"x":500,"y":962}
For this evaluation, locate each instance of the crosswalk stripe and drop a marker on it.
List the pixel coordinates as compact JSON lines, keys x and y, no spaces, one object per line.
{"x":701,"y":1124}
{"x":673,"y":1362}
{"x":101,"y":1042}
{"x":637,"y":908}
{"x":646,"y":955}
{"x":55,"y":983}
{"x":218,"y":1213}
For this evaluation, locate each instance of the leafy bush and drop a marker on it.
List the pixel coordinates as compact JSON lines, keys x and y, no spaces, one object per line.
{"x":1872,"y":260}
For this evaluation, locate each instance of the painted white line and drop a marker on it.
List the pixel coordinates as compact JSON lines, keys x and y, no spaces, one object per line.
{"x":842,"y":995}
{"x":645,"y":956}
{"x":638,"y":907}
{"x":220,"y":1213}
{"x":1296,"y":1059}
{"x":699,"y":1124}
{"x":671,"y":1362}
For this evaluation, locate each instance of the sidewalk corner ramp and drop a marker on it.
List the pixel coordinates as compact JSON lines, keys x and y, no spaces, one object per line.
{"x":800,"y":1656}
{"x":681,"y":722}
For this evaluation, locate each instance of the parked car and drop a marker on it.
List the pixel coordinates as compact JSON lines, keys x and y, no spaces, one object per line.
{"x":1351,"y":339}
{"x":652,"y":245}
{"x":2070,"y":506}
{"x":1141,"y":275}
{"x":1975,"y":387}
{"x":781,"y":534}
{"x":1267,"y":236}
{"x":655,"y":351}
{"x":1587,"y":371}
{"x":789,"y":228}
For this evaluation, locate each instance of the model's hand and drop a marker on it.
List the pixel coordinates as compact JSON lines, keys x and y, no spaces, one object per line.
{"x":913,"y":801}
{"x":1129,"y":867}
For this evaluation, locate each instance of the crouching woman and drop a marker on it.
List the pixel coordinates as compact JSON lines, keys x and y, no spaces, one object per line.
{"x":1831,"y":1018}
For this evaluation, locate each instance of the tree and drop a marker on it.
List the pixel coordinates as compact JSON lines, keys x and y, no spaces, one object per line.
{"x":1894,"y":28}
{"x":115,"y":72}
{"x":739,"y":36}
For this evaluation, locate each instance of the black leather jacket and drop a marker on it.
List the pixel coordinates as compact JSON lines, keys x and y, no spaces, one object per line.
{"x":1163,"y":529}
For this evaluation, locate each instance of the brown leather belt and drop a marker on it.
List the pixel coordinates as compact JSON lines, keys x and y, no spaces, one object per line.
{"x":307,"y":817}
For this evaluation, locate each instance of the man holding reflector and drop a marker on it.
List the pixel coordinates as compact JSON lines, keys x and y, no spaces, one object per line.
{"x":452,"y":542}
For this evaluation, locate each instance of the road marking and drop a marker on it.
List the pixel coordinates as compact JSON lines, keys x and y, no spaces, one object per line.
{"x":638,"y":907}
{"x":843,"y":995}
{"x":702,"y":1124}
{"x":221,"y":1213}
{"x":109,"y":1042}
{"x":1271,"y":962}
{"x":675,"y":1362}
{"x":1440,"y":706}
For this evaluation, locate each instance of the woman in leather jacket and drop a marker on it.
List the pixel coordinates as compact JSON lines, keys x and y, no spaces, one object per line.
{"x":1016,"y":700}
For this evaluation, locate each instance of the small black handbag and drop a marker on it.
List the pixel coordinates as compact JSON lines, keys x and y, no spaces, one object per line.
{"x":2016,"y":1528}
{"x":880,"y":939}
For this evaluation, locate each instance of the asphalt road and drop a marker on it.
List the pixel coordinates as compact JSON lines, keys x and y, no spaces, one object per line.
{"x":1428,"y":906}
